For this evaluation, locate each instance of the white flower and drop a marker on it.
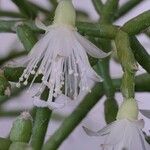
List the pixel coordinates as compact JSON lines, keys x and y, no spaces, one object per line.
{"x":61,"y":57}
{"x":122,"y":135}
{"x":126,"y":132}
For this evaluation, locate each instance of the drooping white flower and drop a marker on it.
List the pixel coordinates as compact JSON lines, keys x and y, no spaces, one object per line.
{"x":61,"y":57}
{"x":125,"y":133}
{"x":122,"y":135}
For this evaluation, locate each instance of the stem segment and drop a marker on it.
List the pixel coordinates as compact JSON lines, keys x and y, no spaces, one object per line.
{"x":127,"y":7}
{"x":128,"y":63}
{"x":40,"y":124}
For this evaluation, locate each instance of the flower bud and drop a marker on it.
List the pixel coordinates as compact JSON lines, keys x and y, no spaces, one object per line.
{"x":22,"y":127}
{"x":128,"y":110}
{"x":65,"y":13}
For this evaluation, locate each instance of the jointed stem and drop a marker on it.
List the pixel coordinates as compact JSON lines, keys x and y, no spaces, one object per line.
{"x":98,"y":5}
{"x":128,"y":63}
{"x":140,"y":53}
{"x":41,"y":121}
{"x":127,"y":7}
{"x":110,"y":104}
{"x":137,"y":24}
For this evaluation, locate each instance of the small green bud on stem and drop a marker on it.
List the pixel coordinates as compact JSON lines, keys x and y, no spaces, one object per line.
{"x":128,"y":110}
{"x":65,"y":13}
{"x":22,"y":128}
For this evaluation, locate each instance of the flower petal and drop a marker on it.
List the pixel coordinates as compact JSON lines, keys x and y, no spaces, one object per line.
{"x":90,"y":48}
{"x":39,"y":103}
{"x":54,"y":105}
{"x":146,"y":113}
{"x":40,"y":25}
{"x":139,"y":123}
{"x":63,"y":41}
{"x":90,"y":132}
{"x":104,"y":131}
{"x":51,"y":105}
{"x":117,"y":132}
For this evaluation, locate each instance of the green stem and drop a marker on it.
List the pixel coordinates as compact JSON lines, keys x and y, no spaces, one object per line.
{"x":11,"y":55}
{"x":13,"y":74}
{"x":71,"y":122}
{"x":147,"y":32}
{"x":109,"y":10}
{"x":103,"y":66}
{"x":41,"y":121}
{"x":98,"y":5}
{"x":39,"y":8}
{"x":7,"y":26}
{"x":13,"y":113}
{"x":127,"y":7}
{"x":110,"y":105}
{"x":97,"y":30}
{"x":140,"y":53}
{"x":53,"y":2}
{"x":137,"y":24}
{"x":142,"y":83}
{"x":10,"y":14}
{"x":4,"y":144}
{"x":24,"y":33}
{"x":14,"y":93}
{"x":25,"y":8}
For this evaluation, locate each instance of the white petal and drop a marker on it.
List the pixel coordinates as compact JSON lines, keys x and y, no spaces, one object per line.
{"x":90,"y":48}
{"x":93,"y":75}
{"x":139,"y":123}
{"x":39,"y":103}
{"x":145,"y":145}
{"x":90,"y":132}
{"x":54,"y":105}
{"x":40,"y":25}
{"x":64,"y":41}
{"x":117,"y":132}
{"x":104,"y":131}
{"x":83,"y":62}
{"x":126,"y":135}
{"x":146,"y":113}
{"x":51,"y":105}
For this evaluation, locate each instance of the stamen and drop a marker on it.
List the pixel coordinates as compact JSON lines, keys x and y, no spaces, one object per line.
{"x":26,"y":76}
{"x":39,"y":71}
{"x":33,"y":72}
{"x":21,"y":79}
{"x":71,"y":71}
{"x":76,"y":74}
{"x":26,"y":82}
{"x":18,"y":85}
